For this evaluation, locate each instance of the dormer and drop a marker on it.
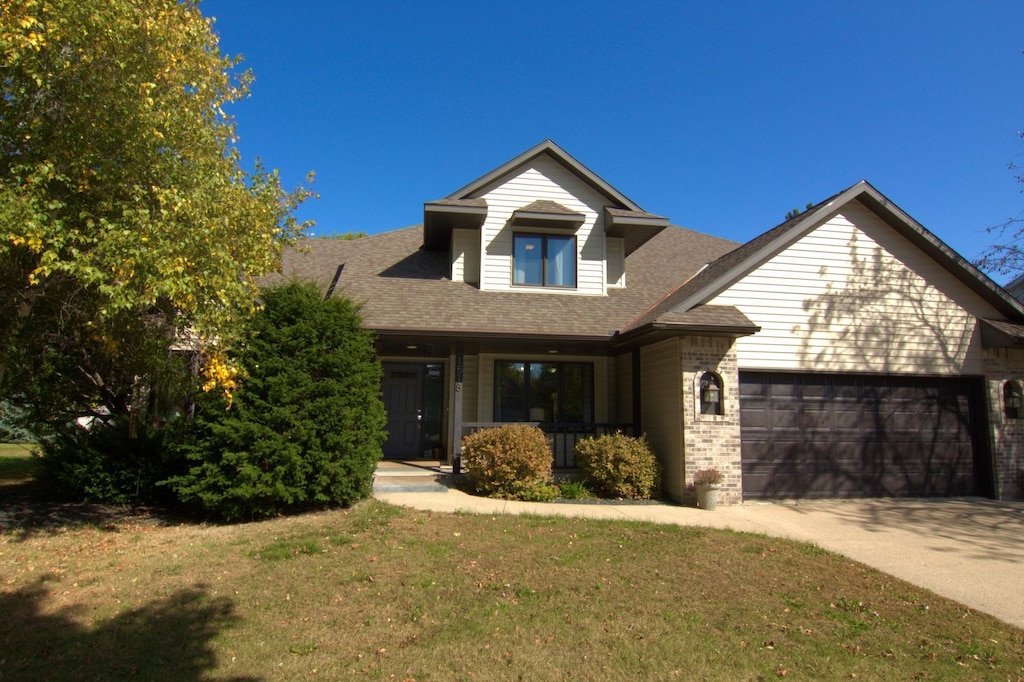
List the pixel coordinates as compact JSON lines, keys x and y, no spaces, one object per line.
{"x":443,"y":216}
{"x":541,"y":223}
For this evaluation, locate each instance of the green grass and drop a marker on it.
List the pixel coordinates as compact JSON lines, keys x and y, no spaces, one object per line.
{"x":379,"y":593}
{"x":17,"y":465}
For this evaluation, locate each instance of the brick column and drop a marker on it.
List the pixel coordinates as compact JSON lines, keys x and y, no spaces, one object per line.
{"x":1007,"y":434}
{"x":712,"y":441}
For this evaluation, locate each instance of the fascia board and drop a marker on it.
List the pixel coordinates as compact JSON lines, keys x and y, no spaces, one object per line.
{"x":545,"y":147}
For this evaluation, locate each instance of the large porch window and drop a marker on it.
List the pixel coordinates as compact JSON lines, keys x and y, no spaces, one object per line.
{"x":543,"y":391}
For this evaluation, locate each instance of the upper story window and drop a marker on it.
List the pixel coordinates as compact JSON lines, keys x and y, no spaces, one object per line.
{"x":544,"y":260}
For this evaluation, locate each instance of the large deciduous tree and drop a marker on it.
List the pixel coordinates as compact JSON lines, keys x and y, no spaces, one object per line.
{"x":125,"y":216}
{"x":1006,"y":255}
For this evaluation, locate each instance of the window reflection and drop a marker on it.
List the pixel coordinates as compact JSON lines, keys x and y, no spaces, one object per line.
{"x":543,"y":391}
{"x":544,"y":260}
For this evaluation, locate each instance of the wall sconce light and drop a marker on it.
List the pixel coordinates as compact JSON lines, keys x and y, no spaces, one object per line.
{"x":1012,"y":400}
{"x":711,"y":394}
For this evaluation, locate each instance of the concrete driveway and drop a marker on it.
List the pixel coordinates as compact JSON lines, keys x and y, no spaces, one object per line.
{"x":969,"y":549}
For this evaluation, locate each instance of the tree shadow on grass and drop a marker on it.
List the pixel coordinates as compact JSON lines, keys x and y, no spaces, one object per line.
{"x":167,"y":639}
{"x":30,"y":509}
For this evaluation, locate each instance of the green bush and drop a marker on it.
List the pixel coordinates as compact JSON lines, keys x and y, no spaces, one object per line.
{"x":574,"y":490}
{"x":620,"y":466}
{"x":539,"y":492}
{"x":103,"y":464}
{"x":307,"y":423}
{"x":512,"y":462}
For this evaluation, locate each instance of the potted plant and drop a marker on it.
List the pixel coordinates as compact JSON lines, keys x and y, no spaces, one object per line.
{"x":708,"y":482}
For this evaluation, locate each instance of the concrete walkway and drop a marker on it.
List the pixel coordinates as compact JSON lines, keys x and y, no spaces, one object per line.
{"x":968,"y":549}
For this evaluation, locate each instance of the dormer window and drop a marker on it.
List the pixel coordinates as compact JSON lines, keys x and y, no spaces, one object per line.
{"x":544,"y":260}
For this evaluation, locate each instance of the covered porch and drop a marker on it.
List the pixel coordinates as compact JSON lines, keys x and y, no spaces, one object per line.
{"x":436,"y":391}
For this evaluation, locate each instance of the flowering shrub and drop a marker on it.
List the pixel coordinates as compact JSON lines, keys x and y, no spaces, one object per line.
{"x":620,"y":465}
{"x":511,"y":462}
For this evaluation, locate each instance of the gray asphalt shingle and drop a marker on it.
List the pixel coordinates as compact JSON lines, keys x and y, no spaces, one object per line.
{"x":403,"y":287}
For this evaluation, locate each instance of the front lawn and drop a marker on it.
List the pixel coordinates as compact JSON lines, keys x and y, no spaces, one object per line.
{"x":17,"y":464}
{"x":380,"y":593}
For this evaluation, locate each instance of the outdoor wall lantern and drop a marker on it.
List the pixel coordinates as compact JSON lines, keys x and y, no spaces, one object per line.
{"x":1013,"y":400}
{"x":711,"y":394}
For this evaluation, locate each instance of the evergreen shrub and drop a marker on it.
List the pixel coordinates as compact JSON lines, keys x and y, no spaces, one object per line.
{"x":511,"y":462}
{"x":306,"y":424}
{"x":12,"y":424}
{"x":103,"y":464}
{"x":620,"y":466}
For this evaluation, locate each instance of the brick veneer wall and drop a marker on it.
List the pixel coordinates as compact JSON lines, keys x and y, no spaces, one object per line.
{"x":712,"y":440}
{"x":1002,"y":365}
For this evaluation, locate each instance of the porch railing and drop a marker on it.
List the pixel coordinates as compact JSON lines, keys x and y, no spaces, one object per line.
{"x":563,"y":435}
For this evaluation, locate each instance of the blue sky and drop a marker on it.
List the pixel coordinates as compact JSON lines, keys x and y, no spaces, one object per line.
{"x":722,"y":116}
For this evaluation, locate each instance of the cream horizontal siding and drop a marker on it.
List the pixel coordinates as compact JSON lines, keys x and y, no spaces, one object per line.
{"x":470,"y":388}
{"x":466,"y":256}
{"x":616,"y":262}
{"x":543,"y":179}
{"x":662,"y":410}
{"x":485,"y":398}
{"x":853,"y":295}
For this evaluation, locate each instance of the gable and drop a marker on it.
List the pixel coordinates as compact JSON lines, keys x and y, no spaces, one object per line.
{"x":468,"y":208}
{"x":852,"y":294}
{"x":552,"y":151}
{"x":543,"y":180}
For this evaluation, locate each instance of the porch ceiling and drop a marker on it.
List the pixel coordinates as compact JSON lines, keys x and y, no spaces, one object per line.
{"x":426,"y":344}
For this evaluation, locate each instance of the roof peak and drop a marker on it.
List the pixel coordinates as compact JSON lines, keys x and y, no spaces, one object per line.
{"x":551,"y":149}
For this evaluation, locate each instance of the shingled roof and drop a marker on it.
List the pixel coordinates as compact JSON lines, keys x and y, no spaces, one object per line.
{"x":405,"y":288}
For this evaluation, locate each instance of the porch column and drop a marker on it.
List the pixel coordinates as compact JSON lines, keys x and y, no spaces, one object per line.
{"x":456,"y":448}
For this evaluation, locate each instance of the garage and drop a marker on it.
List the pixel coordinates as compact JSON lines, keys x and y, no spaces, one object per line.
{"x":820,"y":435}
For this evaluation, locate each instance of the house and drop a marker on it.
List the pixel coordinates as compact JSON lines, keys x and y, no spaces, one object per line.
{"x":845,"y":352}
{"x":1015,"y":287}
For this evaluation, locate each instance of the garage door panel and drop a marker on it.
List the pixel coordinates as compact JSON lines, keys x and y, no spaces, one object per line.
{"x":814,"y":391}
{"x":856,"y":436}
{"x":757,"y":418}
{"x":847,"y":418}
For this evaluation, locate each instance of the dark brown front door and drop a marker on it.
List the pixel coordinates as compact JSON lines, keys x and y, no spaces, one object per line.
{"x":403,"y":400}
{"x":806,"y":435}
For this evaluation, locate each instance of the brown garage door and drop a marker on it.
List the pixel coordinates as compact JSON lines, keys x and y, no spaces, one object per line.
{"x":859,"y":436}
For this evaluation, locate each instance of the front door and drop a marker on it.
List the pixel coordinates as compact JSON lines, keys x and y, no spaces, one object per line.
{"x":403,"y":400}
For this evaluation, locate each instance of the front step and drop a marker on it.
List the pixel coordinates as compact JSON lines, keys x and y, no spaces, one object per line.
{"x":401,"y":477}
{"x":407,"y":484}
